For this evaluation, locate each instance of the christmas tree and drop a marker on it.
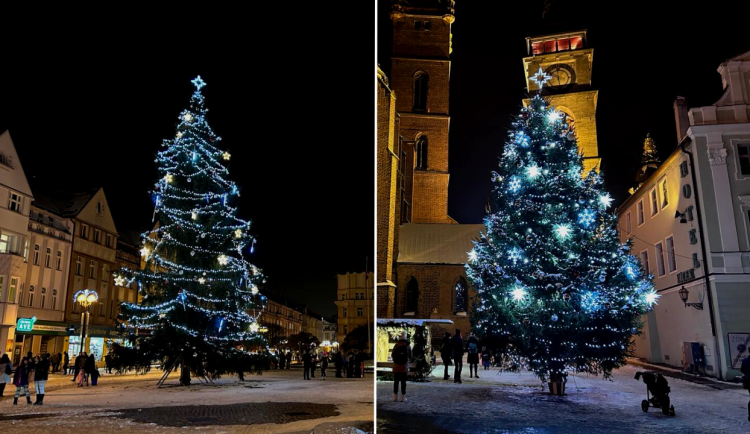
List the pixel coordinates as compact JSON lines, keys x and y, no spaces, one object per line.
{"x":554,"y":283}
{"x":200,"y":298}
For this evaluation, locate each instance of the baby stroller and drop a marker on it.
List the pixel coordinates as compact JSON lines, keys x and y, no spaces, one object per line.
{"x":657,"y":392}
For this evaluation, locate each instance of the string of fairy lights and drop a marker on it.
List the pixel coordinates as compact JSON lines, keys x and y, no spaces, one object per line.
{"x":196,"y":279}
{"x":551,"y":274}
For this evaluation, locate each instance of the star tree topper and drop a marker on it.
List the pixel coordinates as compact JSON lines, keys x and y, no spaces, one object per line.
{"x":540,"y":78}
{"x":198,"y":82}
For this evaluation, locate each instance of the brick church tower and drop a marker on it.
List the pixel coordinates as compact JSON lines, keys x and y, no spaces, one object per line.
{"x":420,"y":78}
{"x":565,"y":58}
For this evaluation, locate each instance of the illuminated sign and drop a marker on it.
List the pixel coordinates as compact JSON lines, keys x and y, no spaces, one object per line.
{"x":25,"y":324}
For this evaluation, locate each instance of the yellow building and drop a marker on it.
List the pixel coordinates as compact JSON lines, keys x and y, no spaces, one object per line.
{"x":354,"y":302}
{"x":566,"y":60}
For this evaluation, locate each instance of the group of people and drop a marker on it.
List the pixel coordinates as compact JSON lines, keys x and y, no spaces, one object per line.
{"x":353,"y":365}
{"x":30,"y":370}
{"x":452,"y":352}
{"x":84,"y":369}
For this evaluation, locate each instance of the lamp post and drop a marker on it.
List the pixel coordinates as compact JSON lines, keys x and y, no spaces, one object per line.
{"x":684,"y":297}
{"x":86,"y":298}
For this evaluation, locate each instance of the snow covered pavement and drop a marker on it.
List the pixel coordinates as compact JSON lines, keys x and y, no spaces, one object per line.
{"x":515,"y":403}
{"x":275,"y":402}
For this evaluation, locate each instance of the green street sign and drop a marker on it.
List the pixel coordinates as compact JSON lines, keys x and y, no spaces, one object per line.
{"x":25,"y":324}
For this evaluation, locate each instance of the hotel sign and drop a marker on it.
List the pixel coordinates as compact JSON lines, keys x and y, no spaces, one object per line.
{"x":686,"y":276}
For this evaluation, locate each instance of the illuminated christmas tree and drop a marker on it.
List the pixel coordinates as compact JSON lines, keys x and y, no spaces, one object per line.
{"x":555,"y":285}
{"x":200,"y":299}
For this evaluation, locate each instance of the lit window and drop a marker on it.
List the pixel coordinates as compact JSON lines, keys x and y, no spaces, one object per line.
{"x":660,"y":269}
{"x":670,"y":254}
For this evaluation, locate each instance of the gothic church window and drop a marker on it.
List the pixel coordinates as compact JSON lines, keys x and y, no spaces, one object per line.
{"x":421,"y":81}
{"x":461,"y":295}
{"x":412,"y":295}
{"x":421,"y":150}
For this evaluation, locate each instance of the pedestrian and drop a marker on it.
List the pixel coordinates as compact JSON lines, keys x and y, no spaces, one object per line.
{"x":77,"y":363}
{"x":89,"y":367}
{"x":108,"y":363}
{"x":53,"y":362}
{"x":6,"y":369}
{"x":485,"y":358}
{"x":288,"y":359}
{"x":21,"y":381}
{"x":323,"y":367}
{"x":745,"y":369}
{"x":401,"y":354}
{"x":41,"y":373}
{"x":445,"y":354}
{"x":337,"y":363}
{"x":282,"y":361}
{"x":313,"y":363}
{"x":66,"y":362}
{"x":350,"y":364}
{"x":457,"y":344}
{"x":473,"y":357}
{"x":306,"y":359}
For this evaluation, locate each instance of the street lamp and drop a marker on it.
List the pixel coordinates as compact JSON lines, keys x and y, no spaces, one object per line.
{"x":86,"y":298}
{"x":684,"y":297}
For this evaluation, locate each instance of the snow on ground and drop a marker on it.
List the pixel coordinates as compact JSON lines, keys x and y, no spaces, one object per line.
{"x":298,"y":405}
{"x":516,"y":403}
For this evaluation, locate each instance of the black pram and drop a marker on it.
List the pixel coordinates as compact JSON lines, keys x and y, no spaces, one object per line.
{"x":657,"y":392}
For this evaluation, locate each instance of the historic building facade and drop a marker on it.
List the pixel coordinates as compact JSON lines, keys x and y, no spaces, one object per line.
{"x":42,"y":302}
{"x":276,"y":312}
{"x":690,"y":225}
{"x":565,"y":58}
{"x":354,"y":302}
{"x":15,"y":206}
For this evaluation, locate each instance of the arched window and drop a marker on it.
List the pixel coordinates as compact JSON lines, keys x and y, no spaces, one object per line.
{"x":421,"y":150}
{"x":412,"y":295}
{"x":421,"y":82}
{"x":461,"y":295}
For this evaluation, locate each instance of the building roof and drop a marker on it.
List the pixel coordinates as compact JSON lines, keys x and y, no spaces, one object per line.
{"x":62,"y":203}
{"x":436,"y":243}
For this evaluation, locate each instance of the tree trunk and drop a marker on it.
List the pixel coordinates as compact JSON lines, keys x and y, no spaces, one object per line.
{"x":184,"y":374}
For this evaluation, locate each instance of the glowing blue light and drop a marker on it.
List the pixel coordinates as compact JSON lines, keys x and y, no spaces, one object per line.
{"x":562,"y":231}
{"x":532,"y":172}
{"x":472,"y":255}
{"x":629,"y":272}
{"x":195,"y":155}
{"x":198,"y":82}
{"x":553,"y":116}
{"x":514,"y":184}
{"x":606,"y":200}
{"x":518,"y":293}
{"x":515,"y":254}
{"x":522,"y":139}
{"x":221,"y":324}
{"x":590,"y":301}
{"x":586,"y":217}
{"x":651,"y":297}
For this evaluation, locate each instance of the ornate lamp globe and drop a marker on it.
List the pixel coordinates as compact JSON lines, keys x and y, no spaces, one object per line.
{"x":683,"y":294}
{"x":86,"y":297}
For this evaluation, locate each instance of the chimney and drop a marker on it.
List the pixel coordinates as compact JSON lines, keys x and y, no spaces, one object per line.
{"x":681,"y":118}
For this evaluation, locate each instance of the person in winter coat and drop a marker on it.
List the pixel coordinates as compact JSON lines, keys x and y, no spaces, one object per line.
{"x":89,"y":366}
{"x":445,"y":354}
{"x":313,"y":363}
{"x":66,"y":363}
{"x":53,"y":361}
{"x":485,"y":358}
{"x":282,"y":360}
{"x":457,"y":344}
{"x":77,"y":365}
{"x":473,"y":357}
{"x":350,"y":365}
{"x":6,"y":368}
{"x":745,"y":369}
{"x":401,"y":354}
{"x":338,"y":362}
{"x":21,"y":381}
{"x":323,"y":367}
{"x":306,"y":362}
{"x":288,"y":359}
{"x":41,"y":373}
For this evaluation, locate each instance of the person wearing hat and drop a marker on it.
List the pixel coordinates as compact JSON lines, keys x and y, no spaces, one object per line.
{"x":445,"y":354}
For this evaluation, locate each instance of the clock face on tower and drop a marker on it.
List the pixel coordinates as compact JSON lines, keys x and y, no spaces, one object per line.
{"x":562,"y":76}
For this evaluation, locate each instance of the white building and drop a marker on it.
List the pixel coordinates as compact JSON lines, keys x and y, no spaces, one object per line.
{"x":703,"y":246}
{"x":15,"y":203}
{"x":48,"y":265}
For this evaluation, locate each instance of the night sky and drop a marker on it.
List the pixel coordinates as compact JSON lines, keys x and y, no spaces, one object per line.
{"x":89,"y":105}
{"x":644,"y":57}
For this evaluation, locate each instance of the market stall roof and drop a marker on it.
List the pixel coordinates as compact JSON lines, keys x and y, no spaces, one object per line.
{"x":413,"y":322}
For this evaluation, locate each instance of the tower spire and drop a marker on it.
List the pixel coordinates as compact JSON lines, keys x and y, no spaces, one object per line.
{"x":649,"y":162}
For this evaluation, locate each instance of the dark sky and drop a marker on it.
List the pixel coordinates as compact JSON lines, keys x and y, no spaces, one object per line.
{"x":89,"y":105}
{"x":644,"y":57}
